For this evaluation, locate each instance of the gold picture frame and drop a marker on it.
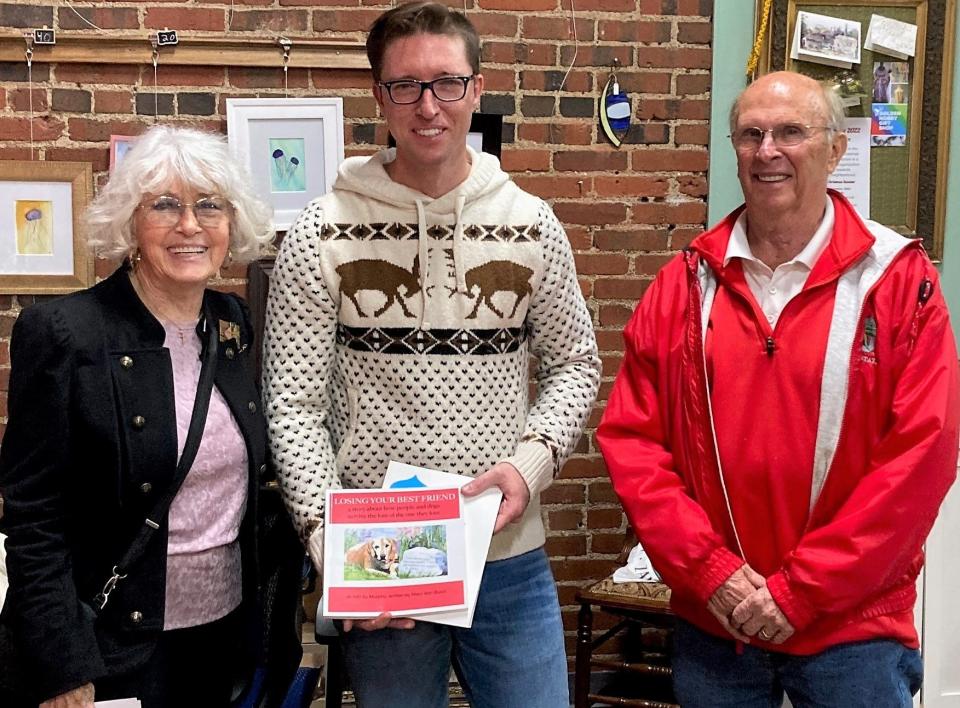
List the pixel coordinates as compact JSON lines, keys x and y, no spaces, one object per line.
{"x":43,"y":246}
{"x":908,"y":184}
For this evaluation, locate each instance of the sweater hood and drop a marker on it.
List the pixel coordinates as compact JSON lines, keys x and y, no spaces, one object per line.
{"x":368,"y":177}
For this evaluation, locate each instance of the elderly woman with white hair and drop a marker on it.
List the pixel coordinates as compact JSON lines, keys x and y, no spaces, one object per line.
{"x":135,"y":455}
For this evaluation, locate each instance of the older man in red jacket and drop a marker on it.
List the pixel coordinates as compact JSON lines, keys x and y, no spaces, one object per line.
{"x":785,"y":428}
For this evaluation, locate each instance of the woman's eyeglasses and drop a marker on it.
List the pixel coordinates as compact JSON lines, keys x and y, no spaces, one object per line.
{"x":447,"y":88}
{"x":167,"y":210}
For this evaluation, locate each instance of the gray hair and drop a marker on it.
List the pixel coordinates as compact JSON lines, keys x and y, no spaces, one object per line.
{"x":197,"y":159}
{"x":832,"y":105}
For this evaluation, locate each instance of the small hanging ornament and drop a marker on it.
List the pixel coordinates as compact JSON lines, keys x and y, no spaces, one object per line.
{"x":615,"y":111}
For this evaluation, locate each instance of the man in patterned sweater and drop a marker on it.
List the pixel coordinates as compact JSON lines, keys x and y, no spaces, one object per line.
{"x":403,"y":310}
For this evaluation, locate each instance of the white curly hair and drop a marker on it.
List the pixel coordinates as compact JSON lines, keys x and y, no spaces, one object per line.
{"x":197,"y":159}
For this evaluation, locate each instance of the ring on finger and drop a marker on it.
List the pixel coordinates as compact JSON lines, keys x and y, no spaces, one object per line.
{"x":764,"y":635}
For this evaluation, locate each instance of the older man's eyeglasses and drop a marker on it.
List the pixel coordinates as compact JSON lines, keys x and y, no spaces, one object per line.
{"x":784,"y":135}
{"x":167,"y":210}
{"x":447,"y":88}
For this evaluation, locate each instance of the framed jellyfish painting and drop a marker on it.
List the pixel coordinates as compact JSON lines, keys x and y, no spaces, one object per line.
{"x":292,"y":147}
{"x":43,"y":248}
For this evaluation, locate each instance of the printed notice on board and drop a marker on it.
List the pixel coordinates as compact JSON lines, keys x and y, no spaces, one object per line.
{"x":852,"y":176}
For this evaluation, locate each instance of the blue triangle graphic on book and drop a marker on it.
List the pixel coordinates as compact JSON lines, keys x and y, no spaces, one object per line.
{"x":409,"y":483}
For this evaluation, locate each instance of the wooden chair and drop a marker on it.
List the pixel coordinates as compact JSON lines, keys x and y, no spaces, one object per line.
{"x":643,"y":679}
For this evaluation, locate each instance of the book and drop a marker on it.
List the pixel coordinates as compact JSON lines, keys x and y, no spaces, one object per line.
{"x":401,"y":551}
{"x":479,"y":517}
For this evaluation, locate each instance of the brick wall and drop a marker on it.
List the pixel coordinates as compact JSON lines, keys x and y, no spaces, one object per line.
{"x":626,"y":210}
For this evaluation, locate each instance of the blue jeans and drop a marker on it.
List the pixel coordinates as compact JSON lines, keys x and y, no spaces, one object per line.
{"x":512,"y":657}
{"x":709,"y":672}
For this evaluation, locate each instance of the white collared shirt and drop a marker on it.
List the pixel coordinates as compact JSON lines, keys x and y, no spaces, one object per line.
{"x":773,"y":289}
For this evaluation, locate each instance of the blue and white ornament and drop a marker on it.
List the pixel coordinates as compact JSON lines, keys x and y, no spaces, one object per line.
{"x":615,"y":111}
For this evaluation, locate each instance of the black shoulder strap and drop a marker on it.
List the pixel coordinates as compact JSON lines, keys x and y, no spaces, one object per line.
{"x":198,"y":419}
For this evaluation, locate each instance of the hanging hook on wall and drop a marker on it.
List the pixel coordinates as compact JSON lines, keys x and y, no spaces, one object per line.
{"x":615,"y":109}
{"x":28,"y":38}
{"x":285,"y":45}
{"x":155,"y":57}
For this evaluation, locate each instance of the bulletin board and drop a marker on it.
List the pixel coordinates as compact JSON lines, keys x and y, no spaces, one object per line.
{"x":908,"y":183}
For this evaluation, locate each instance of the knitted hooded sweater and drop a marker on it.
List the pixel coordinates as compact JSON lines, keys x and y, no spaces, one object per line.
{"x":400,"y":327}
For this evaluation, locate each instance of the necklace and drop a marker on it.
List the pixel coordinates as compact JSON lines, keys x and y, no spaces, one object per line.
{"x":183,"y":330}
{"x":165,"y":311}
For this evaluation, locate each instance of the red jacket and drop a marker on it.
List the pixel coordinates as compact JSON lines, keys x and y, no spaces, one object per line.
{"x":836,"y":432}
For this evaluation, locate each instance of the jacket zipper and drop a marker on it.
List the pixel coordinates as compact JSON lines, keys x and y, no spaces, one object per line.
{"x":713,"y":432}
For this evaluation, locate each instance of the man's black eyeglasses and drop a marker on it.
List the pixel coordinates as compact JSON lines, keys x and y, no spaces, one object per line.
{"x":447,"y":88}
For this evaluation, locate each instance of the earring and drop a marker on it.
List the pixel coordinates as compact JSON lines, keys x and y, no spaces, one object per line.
{"x":136,"y":258}
{"x":226,"y":263}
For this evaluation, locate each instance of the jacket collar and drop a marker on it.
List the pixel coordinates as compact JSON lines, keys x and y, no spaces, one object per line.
{"x":850,"y":241}
{"x":117,"y":293}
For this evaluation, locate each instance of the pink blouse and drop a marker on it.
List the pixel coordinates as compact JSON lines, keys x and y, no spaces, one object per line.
{"x":203,"y":553}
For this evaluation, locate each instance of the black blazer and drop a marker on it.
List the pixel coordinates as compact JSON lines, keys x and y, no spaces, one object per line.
{"x":90,"y":443}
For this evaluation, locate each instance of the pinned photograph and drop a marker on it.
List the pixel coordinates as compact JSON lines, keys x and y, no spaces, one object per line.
{"x":826,"y":40}
{"x":881,"y":83}
{"x":886,"y":35}
{"x":889,"y":125}
{"x":899,"y":82}
{"x":891,"y":82}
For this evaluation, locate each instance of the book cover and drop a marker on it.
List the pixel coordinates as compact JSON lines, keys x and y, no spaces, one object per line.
{"x":400,"y":551}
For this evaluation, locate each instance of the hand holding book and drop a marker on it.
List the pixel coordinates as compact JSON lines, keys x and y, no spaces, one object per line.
{"x":516,"y":494}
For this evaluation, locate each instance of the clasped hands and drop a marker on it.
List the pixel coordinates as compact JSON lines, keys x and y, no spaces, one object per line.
{"x":746,"y":609}
{"x":516,"y":497}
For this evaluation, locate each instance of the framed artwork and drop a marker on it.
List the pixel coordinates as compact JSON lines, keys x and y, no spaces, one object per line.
{"x":119,"y":144}
{"x":43,"y":248}
{"x":292,"y":147}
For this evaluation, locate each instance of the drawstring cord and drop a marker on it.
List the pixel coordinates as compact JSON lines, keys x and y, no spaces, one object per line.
{"x":458,"y":244}
{"x":423,"y":250}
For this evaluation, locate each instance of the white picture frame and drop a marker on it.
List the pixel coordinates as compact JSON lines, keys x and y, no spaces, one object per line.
{"x":291,"y":146}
